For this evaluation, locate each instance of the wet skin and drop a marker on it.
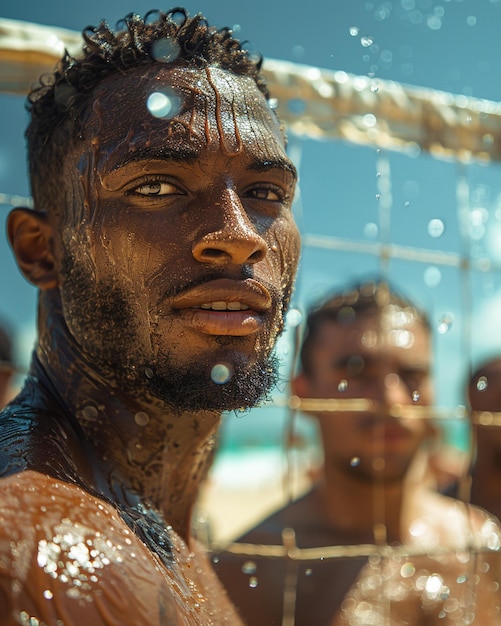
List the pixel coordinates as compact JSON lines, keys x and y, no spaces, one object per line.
{"x":176,"y":251}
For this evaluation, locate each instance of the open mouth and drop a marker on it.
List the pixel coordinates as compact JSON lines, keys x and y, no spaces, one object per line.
{"x":223,"y":306}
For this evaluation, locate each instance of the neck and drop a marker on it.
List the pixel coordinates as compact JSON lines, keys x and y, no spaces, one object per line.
{"x":143,"y":452}
{"x":368,"y":505}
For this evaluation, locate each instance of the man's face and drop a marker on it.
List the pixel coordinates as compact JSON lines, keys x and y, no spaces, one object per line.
{"x":385,"y":359}
{"x":179,"y":248}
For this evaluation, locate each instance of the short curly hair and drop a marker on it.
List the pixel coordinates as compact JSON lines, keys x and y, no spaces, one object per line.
{"x":344,"y":306}
{"x":58,"y":104}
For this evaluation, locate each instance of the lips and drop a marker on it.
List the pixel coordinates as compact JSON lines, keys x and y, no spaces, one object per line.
{"x":224,"y":307}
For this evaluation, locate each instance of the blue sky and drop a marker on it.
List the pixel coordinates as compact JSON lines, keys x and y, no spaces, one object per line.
{"x":447,"y":45}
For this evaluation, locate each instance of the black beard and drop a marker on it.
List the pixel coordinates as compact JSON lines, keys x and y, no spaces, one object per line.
{"x":194,"y":390}
{"x":110,"y":327}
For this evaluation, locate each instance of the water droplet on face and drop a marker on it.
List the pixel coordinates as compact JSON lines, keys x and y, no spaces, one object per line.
{"x":48,"y":594}
{"x":163,"y":104}
{"x":253,"y":582}
{"x":141,"y":418}
{"x":165,"y":50}
{"x":415,"y":396}
{"x":374,"y":88}
{"x":354,"y":30}
{"x":436,"y":228}
{"x":355,"y":461}
{"x":89,"y":412}
{"x":273,"y":103}
{"x":148,"y":372}
{"x":366,"y":41}
{"x":482,"y":383}
{"x":249,"y":567}
{"x":221,"y":373}
{"x":294,"y":317}
{"x":342,"y":385}
{"x":215,"y":559}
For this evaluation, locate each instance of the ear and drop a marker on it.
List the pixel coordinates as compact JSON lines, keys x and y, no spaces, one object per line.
{"x":30,"y":236}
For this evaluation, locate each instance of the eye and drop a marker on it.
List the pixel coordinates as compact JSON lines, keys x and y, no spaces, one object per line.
{"x":266,"y":192}
{"x":157,"y":188}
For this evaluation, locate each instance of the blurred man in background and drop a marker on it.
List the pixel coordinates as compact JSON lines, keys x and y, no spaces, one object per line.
{"x":369,"y":350}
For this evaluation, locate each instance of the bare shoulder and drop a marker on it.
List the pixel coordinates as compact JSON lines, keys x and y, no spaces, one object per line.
{"x":68,"y":557}
{"x":449,"y":522}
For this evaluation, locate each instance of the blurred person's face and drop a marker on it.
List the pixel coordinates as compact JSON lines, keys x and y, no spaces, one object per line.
{"x":387,"y":360}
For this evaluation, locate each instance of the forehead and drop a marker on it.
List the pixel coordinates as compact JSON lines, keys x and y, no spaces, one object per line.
{"x":208,"y":107}
{"x":394,"y":333}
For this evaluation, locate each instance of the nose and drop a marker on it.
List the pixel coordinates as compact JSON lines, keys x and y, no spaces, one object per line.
{"x":234,"y":239}
{"x":394,"y":390}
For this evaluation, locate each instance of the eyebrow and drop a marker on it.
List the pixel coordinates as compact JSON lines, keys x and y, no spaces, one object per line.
{"x":187,"y":154}
{"x":344,"y":361}
{"x":181,"y":154}
{"x":275,"y":163}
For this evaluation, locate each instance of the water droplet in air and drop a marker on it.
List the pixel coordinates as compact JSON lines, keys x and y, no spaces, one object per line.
{"x":354,"y":30}
{"x":249,"y":567}
{"x":415,"y":396}
{"x":221,"y":373}
{"x":366,"y":41}
{"x":432,"y":276}
{"x":445,"y":323}
{"x":297,"y":52}
{"x":436,"y":228}
{"x":148,"y":372}
{"x":296,"y":106}
{"x":273,"y":103}
{"x":308,"y":572}
{"x":407,"y":204}
{"x":374,"y":88}
{"x":294,"y":318}
{"x":355,"y":461}
{"x":343,"y":385}
{"x":482,"y":383}
{"x":253,"y":582}
{"x":371,"y":230}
